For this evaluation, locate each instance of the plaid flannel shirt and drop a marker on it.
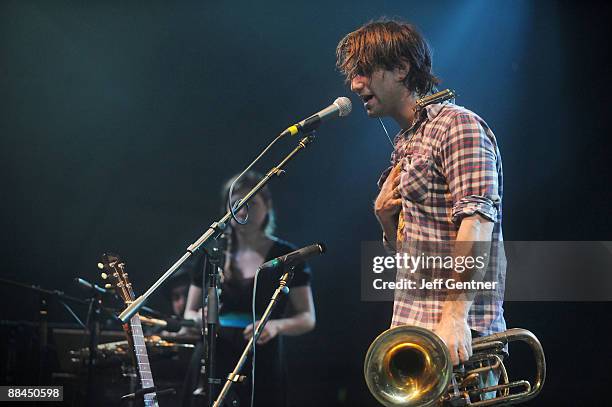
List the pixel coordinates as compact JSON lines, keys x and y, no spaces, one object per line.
{"x":451,"y":168}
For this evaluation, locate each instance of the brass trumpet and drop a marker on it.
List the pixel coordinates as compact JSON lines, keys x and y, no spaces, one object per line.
{"x":410,"y":366}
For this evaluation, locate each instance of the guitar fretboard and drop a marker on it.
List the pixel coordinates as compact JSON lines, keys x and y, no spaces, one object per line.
{"x":142,"y":358}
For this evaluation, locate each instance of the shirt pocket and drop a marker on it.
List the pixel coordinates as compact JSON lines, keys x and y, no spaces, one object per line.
{"x":415,"y":177}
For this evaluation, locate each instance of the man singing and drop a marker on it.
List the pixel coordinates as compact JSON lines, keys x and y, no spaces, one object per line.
{"x":445,"y":181}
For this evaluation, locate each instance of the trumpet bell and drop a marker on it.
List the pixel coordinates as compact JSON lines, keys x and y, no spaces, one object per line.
{"x":407,"y":366}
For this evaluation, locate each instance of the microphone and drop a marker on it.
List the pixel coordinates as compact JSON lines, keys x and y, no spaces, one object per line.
{"x":92,"y":287}
{"x":340,"y":108}
{"x":295,"y":257}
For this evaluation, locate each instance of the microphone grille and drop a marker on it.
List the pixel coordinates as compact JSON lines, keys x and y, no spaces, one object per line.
{"x":344,"y":106}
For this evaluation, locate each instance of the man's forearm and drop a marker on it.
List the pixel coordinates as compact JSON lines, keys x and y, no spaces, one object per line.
{"x":473,"y":240}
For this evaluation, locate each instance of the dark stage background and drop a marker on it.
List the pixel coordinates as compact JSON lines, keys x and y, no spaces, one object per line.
{"x":120,"y":120}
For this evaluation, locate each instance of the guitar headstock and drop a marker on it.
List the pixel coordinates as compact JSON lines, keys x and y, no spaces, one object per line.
{"x":113,"y":270}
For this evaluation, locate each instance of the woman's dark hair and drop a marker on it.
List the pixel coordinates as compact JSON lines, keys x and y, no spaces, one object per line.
{"x":387,"y":44}
{"x":244,"y":184}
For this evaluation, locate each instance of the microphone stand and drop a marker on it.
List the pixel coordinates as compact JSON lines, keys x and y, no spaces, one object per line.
{"x":211,"y":298}
{"x":214,"y":230}
{"x":94,"y":334}
{"x":235,"y":376}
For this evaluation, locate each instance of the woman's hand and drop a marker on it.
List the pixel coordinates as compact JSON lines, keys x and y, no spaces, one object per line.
{"x":270,"y":331}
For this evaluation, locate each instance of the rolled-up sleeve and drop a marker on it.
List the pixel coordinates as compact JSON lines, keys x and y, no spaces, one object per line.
{"x":469,"y":161}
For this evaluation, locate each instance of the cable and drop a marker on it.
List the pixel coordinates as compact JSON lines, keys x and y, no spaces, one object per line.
{"x":253,"y":317}
{"x":386,"y":132}
{"x":232,"y":206}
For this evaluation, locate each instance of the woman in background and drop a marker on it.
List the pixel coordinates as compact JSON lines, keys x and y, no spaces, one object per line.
{"x":249,"y":246}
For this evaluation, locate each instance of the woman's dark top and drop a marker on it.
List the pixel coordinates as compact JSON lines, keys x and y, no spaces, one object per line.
{"x":235,"y":314}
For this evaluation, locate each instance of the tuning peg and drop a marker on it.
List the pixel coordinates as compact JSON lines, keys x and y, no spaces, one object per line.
{"x":104,"y":276}
{"x":101,"y":266}
{"x":108,"y":286}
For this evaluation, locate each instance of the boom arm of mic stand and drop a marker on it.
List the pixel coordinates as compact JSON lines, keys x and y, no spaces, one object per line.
{"x":213,"y":230}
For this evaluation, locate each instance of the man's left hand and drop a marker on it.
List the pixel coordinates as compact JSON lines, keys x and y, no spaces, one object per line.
{"x":455,"y":332}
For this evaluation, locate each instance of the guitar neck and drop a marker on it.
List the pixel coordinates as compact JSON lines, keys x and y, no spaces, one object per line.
{"x":114,"y":269}
{"x":142,"y":359}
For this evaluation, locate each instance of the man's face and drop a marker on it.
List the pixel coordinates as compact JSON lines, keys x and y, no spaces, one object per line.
{"x":382,"y":92}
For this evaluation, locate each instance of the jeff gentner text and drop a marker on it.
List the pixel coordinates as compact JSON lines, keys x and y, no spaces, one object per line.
{"x":435,"y":284}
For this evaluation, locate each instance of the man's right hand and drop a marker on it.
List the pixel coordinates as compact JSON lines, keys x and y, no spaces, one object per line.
{"x":389,"y":202}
